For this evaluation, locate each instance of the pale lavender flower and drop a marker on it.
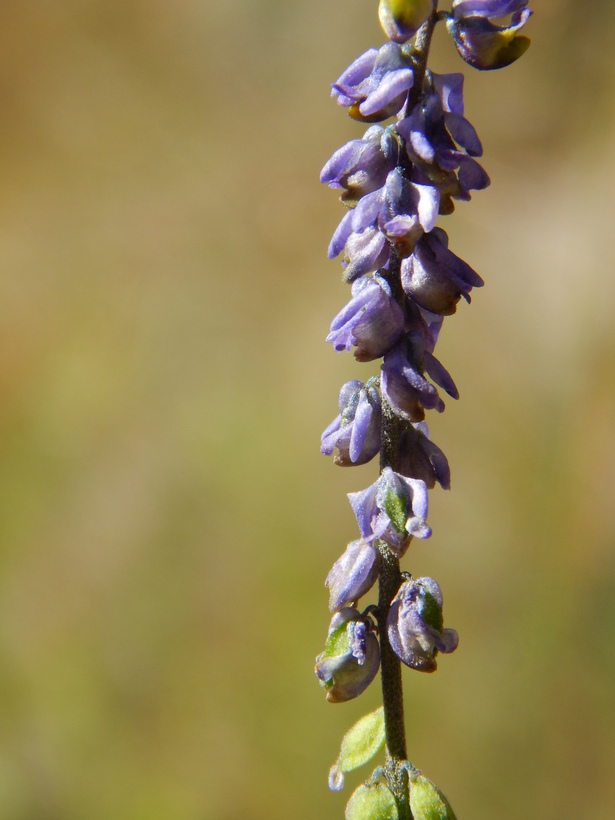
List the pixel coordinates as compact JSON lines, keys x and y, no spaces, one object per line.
{"x":394,"y":509}
{"x":372,"y":321}
{"x":356,"y":431}
{"x":414,"y":625}
{"x":351,"y":658}
{"x":361,"y":166}
{"x":352,"y":575}
{"x":375,"y":86}
{"x":401,"y":211}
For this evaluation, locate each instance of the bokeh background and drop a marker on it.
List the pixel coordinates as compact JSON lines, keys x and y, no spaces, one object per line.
{"x":167,"y":521}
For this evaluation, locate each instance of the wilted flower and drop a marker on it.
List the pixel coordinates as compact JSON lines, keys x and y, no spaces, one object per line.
{"x":375,"y":86}
{"x":356,"y":431}
{"x":351,"y":658}
{"x":414,"y":625}
{"x":352,"y":575}
{"x":393,"y":508}
{"x":486,"y":46}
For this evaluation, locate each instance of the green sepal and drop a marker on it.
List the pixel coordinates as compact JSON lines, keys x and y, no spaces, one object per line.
{"x":372,"y":803}
{"x":431,"y":612}
{"x":395,"y":507}
{"x":427,"y":801}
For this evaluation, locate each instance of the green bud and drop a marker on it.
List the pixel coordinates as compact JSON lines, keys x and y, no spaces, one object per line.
{"x":401,"y":19}
{"x":372,"y":803}
{"x":427,"y":802}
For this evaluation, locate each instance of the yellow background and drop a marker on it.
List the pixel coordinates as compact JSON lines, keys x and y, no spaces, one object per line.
{"x":166,"y":519}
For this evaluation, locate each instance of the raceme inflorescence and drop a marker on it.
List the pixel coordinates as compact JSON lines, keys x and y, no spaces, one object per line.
{"x":395,"y":182}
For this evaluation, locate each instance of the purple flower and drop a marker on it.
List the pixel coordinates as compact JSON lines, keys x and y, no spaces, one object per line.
{"x":401,"y":21}
{"x":484,"y":45}
{"x":434,"y":277}
{"x":441,"y":143}
{"x":491,"y":9}
{"x":449,"y":87}
{"x":361,"y":166}
{"x":351,"y":658}
{"x":376,"y":85}
{"x":365,"y":247}
{"x":400,"y":211}
{"x":372,"y":321}
{"x":394,"y":509}
{"x":406,"y":389}
{"x":352,"y":575}
{"x":421,"y":458}
{"x":414,"y":625}
{"x":408,"y":211}
{"x":356,"y":431}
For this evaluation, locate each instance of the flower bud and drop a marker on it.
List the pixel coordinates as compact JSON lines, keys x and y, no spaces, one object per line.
{"x":352,"y":575}
{"x":414,"y":625}
{"x":351,"y":658}
{"x":372,"y":803}
{"x":427,"y":802}
{"x":401,"y":19}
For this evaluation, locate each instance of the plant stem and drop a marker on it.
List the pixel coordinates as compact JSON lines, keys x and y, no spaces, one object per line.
{"x":389,"y":575}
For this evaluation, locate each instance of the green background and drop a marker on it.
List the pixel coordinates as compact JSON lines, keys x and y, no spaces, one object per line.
{"x":166,"y":518}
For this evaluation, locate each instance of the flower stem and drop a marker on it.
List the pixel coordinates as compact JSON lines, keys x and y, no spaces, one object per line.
{"x":389,"y":574}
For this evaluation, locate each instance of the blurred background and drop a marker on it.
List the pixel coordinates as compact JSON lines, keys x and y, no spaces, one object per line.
{"x":166,"y":518}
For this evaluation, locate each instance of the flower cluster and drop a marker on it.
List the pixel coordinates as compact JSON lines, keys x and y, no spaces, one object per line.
{"x":395,"y":182}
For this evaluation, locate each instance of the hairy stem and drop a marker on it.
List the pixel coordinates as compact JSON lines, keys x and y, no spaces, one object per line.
{"x":390,"y":576}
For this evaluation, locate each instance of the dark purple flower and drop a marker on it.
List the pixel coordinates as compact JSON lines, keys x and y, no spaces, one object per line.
{"x":414,"y":625}
{"x":356,"y":431}
{"x":394,"y":509}
{"x":401,"y":21}
{"x":485,"y":46}
{"x":421,"y":458}
{"x":372,"y":321}
{"x":376,"y":85}
{"x":361,"y":166}
{"x":351,"y":658}
{"x":434,"y":277}
{"x":352,"y":575}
